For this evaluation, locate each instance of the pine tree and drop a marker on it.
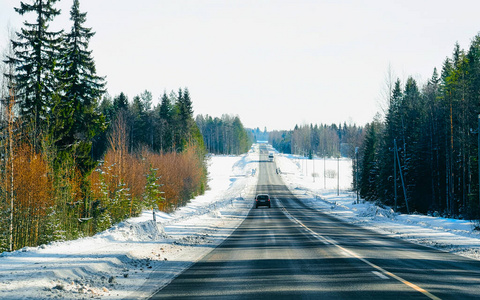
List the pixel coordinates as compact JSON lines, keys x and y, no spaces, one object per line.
{"x":36,"y":53}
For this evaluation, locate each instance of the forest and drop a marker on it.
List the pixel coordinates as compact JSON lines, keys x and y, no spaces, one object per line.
{"x":74,"y":160}
{"x":318,"y":140}
{"x":225,"y":135}
{"x":423,"y":155}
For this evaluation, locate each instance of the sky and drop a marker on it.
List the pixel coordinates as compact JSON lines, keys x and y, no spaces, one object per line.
{"x":273,"y":63}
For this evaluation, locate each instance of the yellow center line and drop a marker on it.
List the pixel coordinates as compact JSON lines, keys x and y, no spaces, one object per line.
{"x":330,"y":241}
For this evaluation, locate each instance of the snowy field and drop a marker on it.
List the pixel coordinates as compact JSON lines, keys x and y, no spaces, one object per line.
{"x":136,"y":257}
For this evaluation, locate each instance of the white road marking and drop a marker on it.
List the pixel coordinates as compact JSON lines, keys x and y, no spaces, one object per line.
{"x":353,"y":254}
{"x":380,"y":275}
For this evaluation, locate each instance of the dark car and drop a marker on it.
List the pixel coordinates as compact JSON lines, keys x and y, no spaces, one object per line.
{"x":270,"y":157}
{"x":262,"y":200}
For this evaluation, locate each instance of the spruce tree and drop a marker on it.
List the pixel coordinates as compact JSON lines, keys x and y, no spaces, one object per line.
{"x":435,"y":137}
{"x":165,"y":108}
{"x":185,"y":117}
{"x":36,"y":53}
{"x":186,"y":106}
{"x":120,"y":103}
{"x":392,"y":132}
{"x":369,"y":165}
{"x":473,"y":97}
{"x":415,"y":157}
{"x":140,"y":126}
{"x":77,"y":108}
{"x":165,"y":122}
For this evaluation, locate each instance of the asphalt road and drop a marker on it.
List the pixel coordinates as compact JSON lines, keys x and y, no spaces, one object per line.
{"x":291,"y":251}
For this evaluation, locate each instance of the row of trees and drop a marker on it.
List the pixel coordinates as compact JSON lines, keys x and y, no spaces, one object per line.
{"x":324,"y":140}
{"x":168,"y":126}
{"x":225,"y":135}
{"x":428,"y":139}
{"x":71,"y":163}
{"x":43,"y":201}
{"x":52,"y":77}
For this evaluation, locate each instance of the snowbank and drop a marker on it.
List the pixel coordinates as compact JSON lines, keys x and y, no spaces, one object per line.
{"x":135,"y":257}
{"x":332,"y":194}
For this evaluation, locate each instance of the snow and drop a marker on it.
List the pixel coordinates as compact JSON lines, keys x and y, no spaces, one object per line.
{"x":135,"y":258}
{"x":336,"y":198}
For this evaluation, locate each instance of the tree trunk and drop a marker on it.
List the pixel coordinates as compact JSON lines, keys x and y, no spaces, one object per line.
{"x":10,"y":157}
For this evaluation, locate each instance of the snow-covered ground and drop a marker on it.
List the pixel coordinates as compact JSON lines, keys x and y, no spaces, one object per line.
{"x":335,"y":197}
{"x":132,"y":259}
{"x":136,"y":257}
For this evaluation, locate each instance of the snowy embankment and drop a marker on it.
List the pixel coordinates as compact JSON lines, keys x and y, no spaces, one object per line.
{"x":455,"y":236}
{"x":136,"y":257}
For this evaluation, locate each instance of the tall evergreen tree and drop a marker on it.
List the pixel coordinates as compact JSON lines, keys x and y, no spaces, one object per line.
{"x":186,"y":107}
{"x":414,"y":152}
{"x":165,"y":113}
{"x":141,"y":127}
{"x":393,"y":131}
{"x":369,"y":165}
{"x":473,"y":97}
{"x":185,"y":117}
{"x":435,"y":137}
{"x":224,"y":136}
{"x":120,"y":103}
{"x":36,"y":52}
{"x":82,"y":88}
{"x":148,"y":119}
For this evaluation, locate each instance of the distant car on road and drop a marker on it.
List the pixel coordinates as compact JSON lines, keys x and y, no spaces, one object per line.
{"x":270,"y":157}
{"x":262,"y":200}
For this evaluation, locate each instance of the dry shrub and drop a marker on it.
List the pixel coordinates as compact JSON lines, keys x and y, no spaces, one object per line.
{"x":72,"y":206}
{"x":114,"y":200}
{"x":181,"y":174}
{"x":193,"y":173}
{"x":119,"y":184}
{"x":135,"y":176}
{"x":167,"y":166}
{"x":33,"y":195}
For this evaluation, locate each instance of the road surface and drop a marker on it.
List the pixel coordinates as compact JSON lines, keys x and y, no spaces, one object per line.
{"x":291,"y":251}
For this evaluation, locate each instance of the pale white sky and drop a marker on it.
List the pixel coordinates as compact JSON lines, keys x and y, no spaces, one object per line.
{"x":274,"y":63}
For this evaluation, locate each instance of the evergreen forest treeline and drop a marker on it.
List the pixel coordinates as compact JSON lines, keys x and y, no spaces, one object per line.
{"x":318,"y":140}
{"x":75,"y":161}
{"x":430,"y":134}
{"x":225,"y":135}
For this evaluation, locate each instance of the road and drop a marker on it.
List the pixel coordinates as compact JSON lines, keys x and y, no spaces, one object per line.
{"x":291,"y":251}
